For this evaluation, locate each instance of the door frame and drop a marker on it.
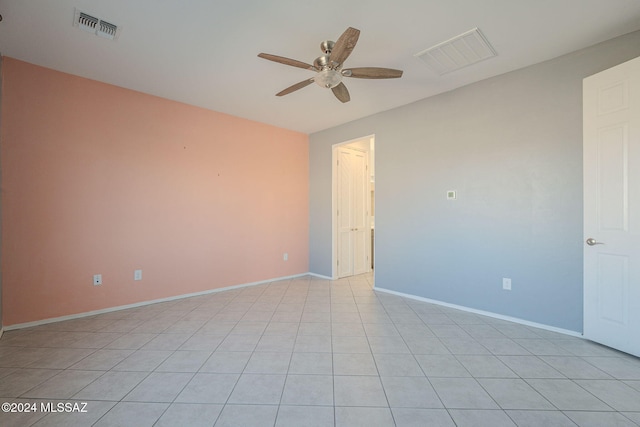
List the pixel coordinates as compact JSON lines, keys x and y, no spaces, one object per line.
{"x":334,"y":200}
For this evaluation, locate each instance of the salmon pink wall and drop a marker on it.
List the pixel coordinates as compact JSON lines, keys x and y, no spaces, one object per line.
{"x":100,"y":179}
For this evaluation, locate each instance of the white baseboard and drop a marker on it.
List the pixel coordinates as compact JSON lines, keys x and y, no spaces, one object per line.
{"x":261,"y":282}
{"x":1,"y":332}
{"x":484,"y":313}
{"x":320,"y":276}
{"x":143,"y":303}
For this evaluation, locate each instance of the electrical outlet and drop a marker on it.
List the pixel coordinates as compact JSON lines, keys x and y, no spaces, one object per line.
{"x":506,"y":283}
{"x":285,"y":256}
{"x":137,"y":275}
{"x":97,"y":279}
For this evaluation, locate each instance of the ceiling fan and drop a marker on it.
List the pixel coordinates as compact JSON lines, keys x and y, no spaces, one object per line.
{"x":328,"y":67}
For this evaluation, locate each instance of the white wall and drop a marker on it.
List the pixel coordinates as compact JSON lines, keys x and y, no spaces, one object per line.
{"x":512,"y":148}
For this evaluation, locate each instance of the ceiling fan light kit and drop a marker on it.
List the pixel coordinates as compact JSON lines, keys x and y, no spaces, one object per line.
{"x":328,"y":67}
{"x":328,"y":78}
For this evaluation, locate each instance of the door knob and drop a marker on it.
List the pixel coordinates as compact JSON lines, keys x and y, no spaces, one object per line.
{"x":592,"y":242}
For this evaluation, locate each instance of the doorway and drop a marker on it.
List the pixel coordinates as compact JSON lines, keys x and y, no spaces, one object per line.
{"x":353,"y":198}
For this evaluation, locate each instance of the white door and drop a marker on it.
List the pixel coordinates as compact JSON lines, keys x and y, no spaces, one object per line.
{"x":611,"y":132}
{"x":352,"y":215}
{"x":361,"y":229}
{"x":345,"y":216}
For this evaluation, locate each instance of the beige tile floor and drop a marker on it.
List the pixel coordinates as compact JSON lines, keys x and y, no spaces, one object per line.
{"x":312,"y":352}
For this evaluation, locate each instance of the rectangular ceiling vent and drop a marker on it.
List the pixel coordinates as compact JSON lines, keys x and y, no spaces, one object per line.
{"x":96,"y":26}
{"x":458,"y":52}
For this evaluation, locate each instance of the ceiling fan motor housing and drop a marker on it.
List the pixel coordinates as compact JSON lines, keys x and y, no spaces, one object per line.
{"x":321,"y":62}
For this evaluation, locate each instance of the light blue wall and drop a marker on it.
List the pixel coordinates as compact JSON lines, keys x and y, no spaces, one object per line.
{"x":512,"y":148}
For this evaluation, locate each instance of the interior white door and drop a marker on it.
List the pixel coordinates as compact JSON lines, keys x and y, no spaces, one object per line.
{"x":345,"y":215}
{"x":361,"y":229}
{"x":353,"y":215}
{"x":611,"y":132}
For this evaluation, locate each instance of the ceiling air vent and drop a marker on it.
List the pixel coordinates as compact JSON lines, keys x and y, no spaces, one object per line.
{"x":458,"y":52}
{"x":96,"y":26}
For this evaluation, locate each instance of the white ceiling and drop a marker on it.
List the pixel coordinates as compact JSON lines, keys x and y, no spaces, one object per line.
{"x":204,"y":52}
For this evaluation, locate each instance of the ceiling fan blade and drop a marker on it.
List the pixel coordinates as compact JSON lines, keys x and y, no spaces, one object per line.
{"x":344,"y":46}
{"x":341,"y":93}
{"x":372,"y":73}
{"x":286,"y":61}
{"x":295,"y":87}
